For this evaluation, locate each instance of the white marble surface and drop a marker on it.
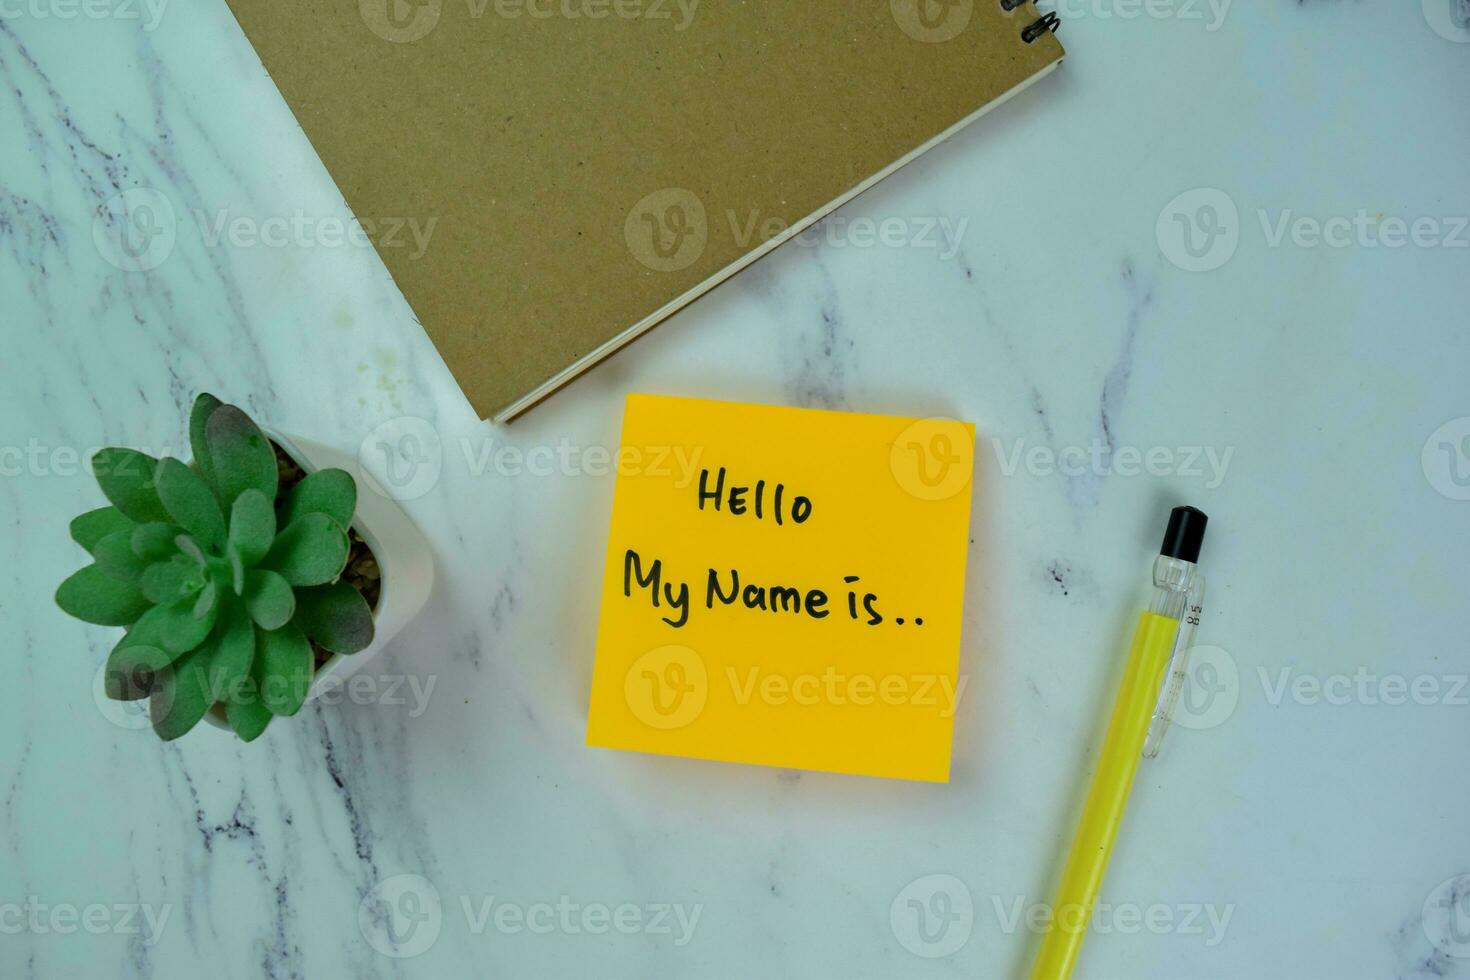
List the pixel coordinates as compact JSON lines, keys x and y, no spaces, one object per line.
{"x":1317,"y":825}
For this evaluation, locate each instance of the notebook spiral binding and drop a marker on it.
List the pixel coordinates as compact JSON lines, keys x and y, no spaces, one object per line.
{"x":1049,"y":22}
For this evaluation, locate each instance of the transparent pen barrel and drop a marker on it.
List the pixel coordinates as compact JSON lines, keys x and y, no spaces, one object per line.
{"x":1179,"y":591}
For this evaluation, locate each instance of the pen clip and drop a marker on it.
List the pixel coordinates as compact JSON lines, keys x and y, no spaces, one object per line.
{"x":1178,"y":668}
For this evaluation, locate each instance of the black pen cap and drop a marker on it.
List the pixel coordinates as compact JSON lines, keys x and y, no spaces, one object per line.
{"x":1185,"y":534}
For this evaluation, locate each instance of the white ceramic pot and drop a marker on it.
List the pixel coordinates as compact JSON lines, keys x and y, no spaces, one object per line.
{"x":405,"y":563}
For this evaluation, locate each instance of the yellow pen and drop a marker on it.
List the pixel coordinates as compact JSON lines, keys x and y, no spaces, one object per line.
{"x":1156,"y":668}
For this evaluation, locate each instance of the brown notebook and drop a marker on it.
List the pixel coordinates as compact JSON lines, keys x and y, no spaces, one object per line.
{"x":580,"y":169}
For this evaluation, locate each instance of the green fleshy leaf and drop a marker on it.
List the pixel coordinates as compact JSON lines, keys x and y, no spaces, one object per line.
{"x":240,"y":455}
{"x":336,"y":617}
{"x":311,"y":551}
{"x":166,"y":582}
{"x":190,"y":548}
{"x":247,"y":715}
{"x":114,"y":555}
{"x":252,"y":527}
{"x":285,"y":671}
{"x":237,"y":570}
{"x":332,"y":492}
{"x":156,"y":540}
{"x":181,"y":695}
{"x":94,"y":525}
{"x":191,"y":503}
{"x":93,"y":596}
{"x":126,"y":477}
{"x":133,"y":669}
{"x":176,"y":627}
{"x":269,"y":599}
{"x":204,"y":407}
{"x":208,"y":598}
{"x":234,"y":651}
{"x":145,"y":632}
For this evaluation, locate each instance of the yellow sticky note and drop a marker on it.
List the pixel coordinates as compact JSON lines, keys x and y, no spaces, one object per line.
{"x":785,"y":587}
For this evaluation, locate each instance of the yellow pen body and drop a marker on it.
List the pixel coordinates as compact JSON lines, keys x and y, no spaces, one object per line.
{"x":1107,"y":796}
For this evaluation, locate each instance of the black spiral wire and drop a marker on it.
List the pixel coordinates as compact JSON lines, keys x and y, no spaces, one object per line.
{"x":1047,"y":24}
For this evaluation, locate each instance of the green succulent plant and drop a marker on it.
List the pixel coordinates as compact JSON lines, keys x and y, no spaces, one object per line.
{"x":223,"y":587}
